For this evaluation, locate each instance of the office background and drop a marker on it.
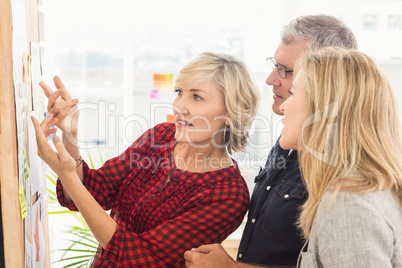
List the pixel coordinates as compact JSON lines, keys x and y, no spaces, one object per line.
{"x":106,"y":52}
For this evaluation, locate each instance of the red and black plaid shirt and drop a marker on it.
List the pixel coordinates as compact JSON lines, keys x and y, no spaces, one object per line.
{"x":158,"y":221}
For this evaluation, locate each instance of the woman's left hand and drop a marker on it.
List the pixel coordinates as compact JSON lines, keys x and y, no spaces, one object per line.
{"x":60,"y":162}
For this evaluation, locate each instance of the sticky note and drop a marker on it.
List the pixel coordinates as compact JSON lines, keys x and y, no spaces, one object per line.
{"x":26,"y":168}
{"x":29,"y":73}
{"x":171,"y":118}
{"x":25,"y":75}
{"x":154,"y":93}
{"x":42,"y":207}
{"x":22,"y":202}
{"x":163,"y":82}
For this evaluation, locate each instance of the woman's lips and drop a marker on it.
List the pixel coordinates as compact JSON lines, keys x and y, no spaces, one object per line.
{"x":183,"y":123}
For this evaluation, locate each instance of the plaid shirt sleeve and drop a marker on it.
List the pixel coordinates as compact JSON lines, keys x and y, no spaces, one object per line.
{"x":216,"y":215}
{"x":104,"y":183}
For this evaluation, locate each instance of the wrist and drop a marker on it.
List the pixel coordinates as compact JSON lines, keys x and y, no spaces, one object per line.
{"x":70,"y":137}
{"x":78,"y":162}
{"x":70,"y":133}
{"x":67,"y":177}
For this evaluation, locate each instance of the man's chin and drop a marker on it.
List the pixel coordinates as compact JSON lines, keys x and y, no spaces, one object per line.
{"x":275,"y":108}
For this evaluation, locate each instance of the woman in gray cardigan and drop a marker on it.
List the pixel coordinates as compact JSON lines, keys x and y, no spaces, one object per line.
{"x":344,"y":121}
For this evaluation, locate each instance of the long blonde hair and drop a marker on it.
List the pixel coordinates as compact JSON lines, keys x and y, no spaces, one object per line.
{"x":352,"y":135}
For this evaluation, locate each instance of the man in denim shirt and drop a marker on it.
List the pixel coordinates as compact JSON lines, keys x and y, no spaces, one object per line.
{"x":271,"y":236}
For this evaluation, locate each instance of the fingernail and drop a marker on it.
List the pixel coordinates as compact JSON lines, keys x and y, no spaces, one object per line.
{"x":75,"y":100}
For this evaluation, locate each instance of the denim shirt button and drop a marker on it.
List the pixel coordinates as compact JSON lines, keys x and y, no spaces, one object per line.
{"x":286,"y":196}
{"x":268,"y":188}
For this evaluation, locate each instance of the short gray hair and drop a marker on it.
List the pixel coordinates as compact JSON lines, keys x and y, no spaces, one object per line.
{"x":321,"y":30}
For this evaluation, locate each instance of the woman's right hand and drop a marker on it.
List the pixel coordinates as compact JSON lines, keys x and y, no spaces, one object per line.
{"x":59,"y":161}
{"x":62,"y":106}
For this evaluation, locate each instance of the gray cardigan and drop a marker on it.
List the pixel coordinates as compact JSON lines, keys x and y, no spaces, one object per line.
{"x":358,"y":230}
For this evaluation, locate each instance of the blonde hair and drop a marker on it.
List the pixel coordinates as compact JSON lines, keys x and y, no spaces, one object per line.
{"x":241,"y":95}
{"x":355,"y":143}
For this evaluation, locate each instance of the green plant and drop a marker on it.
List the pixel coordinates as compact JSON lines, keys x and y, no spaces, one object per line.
{"x":82,"y":249}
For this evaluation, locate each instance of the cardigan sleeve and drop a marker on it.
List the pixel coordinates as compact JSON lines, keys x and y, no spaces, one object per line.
{"x":353,"y":233}
{"x":211,"y":221}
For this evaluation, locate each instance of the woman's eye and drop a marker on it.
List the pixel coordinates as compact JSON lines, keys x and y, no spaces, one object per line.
{"x":178,"y":92}
{"x":196,"y":97}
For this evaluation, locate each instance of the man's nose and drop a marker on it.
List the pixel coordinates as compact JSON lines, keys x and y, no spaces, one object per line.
{"x":273,"y":78}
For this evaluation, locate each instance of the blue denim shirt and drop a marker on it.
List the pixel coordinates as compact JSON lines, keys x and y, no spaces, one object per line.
{"x":271,"y":236}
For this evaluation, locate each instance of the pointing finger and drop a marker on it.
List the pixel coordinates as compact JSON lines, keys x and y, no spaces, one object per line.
{"x":60,"y":86}
{"x":38,"y":129}
{"x":58,"y":144}
{"x":63,"y":154}
{"x":50,"y":131}
{"x":57,"y":108}
{"x":52,"y":100}
{"x":46,"y":89}
{"x":49,"y":118}
{"x":48,"y":122}
{"x":40,"y":138}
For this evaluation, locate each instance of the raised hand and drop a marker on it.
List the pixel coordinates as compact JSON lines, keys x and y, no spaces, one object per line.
{"x":60,"y":162}
{"x":62,"y":106}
